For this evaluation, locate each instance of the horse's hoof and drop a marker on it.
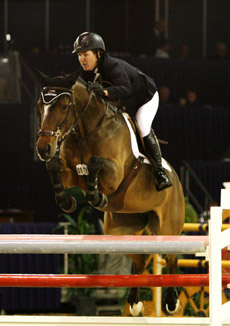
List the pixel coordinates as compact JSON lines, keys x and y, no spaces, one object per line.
{"x":104,"y":201}
{"x":101,"y":202}
{"x":73,"y":206}
{"x":137,"y":309}
{"x":176,"y":310}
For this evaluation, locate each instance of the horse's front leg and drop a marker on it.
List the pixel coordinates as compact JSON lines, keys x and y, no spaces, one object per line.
{"x":93,"y":196}
{"x":66,"y":202}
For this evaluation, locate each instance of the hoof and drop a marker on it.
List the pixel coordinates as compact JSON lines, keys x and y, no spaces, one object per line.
{"x":101,"y":202}
{"x":73,"y":206}
{"x":137,"y":309}
{"x":176,"y":310}
{"x":104,"y":201}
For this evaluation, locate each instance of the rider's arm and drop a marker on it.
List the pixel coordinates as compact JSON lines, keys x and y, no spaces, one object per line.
{"x":116,"y":74}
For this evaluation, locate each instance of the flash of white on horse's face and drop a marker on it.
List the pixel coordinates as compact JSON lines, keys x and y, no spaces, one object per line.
{"x":46,"y":111}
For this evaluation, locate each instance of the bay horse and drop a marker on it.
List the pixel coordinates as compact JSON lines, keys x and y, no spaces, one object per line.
{"x":87,"y":143}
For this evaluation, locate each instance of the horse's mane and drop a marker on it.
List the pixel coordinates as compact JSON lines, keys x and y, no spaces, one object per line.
{"x":71,"y":81}
{"x":81,"y":81}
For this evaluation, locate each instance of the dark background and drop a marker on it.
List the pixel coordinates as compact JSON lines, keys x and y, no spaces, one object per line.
{"x":124,"y":24}
{"x":199,"y":136}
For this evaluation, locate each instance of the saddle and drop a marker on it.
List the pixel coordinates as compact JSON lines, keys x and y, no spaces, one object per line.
{"x":136,"y":130}
{"x":139,"y":138}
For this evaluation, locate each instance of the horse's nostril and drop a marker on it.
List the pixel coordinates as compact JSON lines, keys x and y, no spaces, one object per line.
{"x":47,"y":151}
{"x":44,"y":152}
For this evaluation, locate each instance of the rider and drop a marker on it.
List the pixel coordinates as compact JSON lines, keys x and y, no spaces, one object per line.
{"x":136,"y":91}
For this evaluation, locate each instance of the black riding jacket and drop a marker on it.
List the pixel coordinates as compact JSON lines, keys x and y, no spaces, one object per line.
{"x":130,"y":86}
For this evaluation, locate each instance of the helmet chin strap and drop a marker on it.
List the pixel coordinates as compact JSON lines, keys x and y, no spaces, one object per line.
{"x":98,"y":54}
{"x":97,"y":74}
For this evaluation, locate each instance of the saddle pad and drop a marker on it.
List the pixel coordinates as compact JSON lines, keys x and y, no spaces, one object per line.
{"x":135,"y":147}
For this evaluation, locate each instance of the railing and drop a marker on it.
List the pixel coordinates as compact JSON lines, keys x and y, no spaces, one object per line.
{"x":186,"y":175}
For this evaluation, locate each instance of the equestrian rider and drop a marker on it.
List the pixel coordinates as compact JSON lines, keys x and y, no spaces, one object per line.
{"x":136,"y":91}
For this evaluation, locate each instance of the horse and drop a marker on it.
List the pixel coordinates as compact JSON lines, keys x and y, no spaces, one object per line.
{"x":87,"y":143}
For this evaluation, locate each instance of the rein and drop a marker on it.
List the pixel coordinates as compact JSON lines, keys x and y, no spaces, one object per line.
{"x":97,"y":75}
{"x":73,"y":129}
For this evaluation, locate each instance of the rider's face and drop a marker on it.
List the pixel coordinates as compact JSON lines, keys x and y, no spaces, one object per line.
{"x":88,"y":60}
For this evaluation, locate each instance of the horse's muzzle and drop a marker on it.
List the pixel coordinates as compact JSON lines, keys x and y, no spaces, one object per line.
{"x":44,"y":152}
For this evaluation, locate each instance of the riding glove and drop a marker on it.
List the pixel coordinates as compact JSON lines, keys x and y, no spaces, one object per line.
{"x":97,"y":88}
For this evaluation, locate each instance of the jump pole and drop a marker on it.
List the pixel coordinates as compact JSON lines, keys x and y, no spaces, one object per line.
{"x":218,"y":311}
{"x":102,"y":321}
{"x":98,"y":281}
{"x":196,"y":263}
{"x":193,"y":227}
{"x":89,"y":244}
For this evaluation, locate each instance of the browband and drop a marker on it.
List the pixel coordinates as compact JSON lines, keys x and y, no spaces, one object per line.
{"x":51,"y":94}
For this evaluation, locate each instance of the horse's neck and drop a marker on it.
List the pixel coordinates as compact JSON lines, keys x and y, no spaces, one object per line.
{"x":94,"y":109}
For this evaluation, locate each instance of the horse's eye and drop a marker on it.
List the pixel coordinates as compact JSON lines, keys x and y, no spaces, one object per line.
{"x":64,"y":107}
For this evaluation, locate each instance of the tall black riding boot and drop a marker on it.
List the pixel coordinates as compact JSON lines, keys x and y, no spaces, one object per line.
{"x":154,"y":154}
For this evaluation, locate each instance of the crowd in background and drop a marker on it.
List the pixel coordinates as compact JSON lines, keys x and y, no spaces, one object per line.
{"x":190,"y":98}
{"x":160,"y":46}
{"x":155,"y":45}
{"x":160,"y":49}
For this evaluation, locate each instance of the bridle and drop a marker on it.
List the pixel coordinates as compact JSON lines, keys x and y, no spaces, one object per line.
{"x":61,"y":91}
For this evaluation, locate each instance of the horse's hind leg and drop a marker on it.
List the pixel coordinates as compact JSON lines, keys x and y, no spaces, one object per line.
{"x":171,"y":303}
{"x":93,"y":196}
{"x":129,"y":224}
{"x":136,"y":306}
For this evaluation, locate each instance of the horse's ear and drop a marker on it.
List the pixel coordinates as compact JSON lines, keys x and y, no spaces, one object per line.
{"x":41,"y":76}
{"x":71,"y":79}
{"x":59,"y":81}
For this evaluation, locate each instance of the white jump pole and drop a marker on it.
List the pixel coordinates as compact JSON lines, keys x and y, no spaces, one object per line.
{"x":219,"y":313}
{"x":218,"y":240}
{"x":86,"y":244}
{"x":102,"y":321}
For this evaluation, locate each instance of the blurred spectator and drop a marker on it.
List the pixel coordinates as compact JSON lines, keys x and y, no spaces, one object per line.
{"x":165,"y":95}
{"x":191,"y":98}
{"x":163,"y":50}
{"x":184,"y":51}
{"x":155,"y":37}
{"x":182,"y":101}
{"x":221,"y":51}
{"x":159,"y":29}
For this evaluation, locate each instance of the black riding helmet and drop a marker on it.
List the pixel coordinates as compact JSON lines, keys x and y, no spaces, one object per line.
{"x":88,"y":41}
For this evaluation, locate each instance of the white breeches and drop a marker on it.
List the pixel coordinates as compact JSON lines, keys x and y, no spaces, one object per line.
{"x":146,"y":113}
